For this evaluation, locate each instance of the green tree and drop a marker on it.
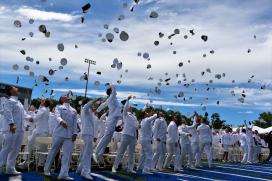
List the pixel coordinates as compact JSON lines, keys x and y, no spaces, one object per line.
{"x":217,"y":123}
{"x":264,"y":120}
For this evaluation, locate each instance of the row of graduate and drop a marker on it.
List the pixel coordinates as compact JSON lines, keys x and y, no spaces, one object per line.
{"x":177,"y":141}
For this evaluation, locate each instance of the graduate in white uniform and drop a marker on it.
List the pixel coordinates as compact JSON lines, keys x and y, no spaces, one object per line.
{"x":159,"y":130}
{"x":172,"y":143}
{"x":146,"y":142}
{"x":100,"y":126}
{"x":216,"y":145}
{"x":52,"y":121}
{"x":14,"y":115}
{"x":205,"y":140}
{"x":2,"y":101}
{"x":64,"y":136}
{"x":40,"y":120}
{"x":194,"y":139}
{"x":129,"y":138}
{"x":244,"y":145}
{"x":250,"y":141}
{"x":234,"y":156}
{"x":112,"y":119}
{"x":226,"y":140}
{"x":87,"y":131}
{"x":184,"y":140}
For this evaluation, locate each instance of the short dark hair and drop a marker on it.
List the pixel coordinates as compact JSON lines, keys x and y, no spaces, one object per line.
{"x":9,"y":89}
{"x":84,"y":101}
{"x":108,"y":91}
{"x":244,"y":130}
{"x":47,"y":103}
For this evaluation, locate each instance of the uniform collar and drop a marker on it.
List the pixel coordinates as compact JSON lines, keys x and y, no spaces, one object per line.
{"x":67,"y":105}
{"x":14,"y":98}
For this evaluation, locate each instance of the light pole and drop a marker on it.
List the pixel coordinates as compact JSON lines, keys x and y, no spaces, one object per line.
{"x":89,"y":62}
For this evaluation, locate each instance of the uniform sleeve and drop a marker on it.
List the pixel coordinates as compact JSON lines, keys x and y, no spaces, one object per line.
{"x":223,"y":139}
{"x":151,"y":118}
{"x":75,"y":124}
{"x":88,"y":105}
{"x":192,"y":126}
{"x":8,"y":117}
{"x":96,"y":126}
{"x":103,"y":116}
{"x":181,"y":132}
{"x":125,"y":110}
{"x":38,"y":115}
{"x":171,"y":131}
{"x":58,"y":115}
{"x":155,"y":128}
{"x":210,"y":131}
{"x":113,"y":94}
{"x":102,"y":106}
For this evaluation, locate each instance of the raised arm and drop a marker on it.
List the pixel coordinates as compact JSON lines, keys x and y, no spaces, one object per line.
{"x":102,"y":106}
{"x":125,"y":110}
{"x":152,"y":118}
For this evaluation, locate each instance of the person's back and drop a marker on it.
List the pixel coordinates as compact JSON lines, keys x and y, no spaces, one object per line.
{"x":204,"y":133}
{"x":41,"y":120}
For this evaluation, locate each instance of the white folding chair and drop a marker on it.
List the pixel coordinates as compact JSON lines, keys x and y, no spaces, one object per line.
{"x":45,"y":141}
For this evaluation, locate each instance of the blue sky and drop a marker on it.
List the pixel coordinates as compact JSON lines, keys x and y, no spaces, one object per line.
{"x":229,"y":24}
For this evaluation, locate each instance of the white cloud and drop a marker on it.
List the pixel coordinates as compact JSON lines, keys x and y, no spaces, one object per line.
{"x":36,"y":14}
{"x":245,"y":112}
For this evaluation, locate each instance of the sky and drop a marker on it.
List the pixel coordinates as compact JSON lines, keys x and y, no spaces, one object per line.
{"x":229,"y":24}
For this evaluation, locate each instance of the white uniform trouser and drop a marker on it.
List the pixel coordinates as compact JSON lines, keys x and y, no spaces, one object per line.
{"x":245,"y":153}
{"x":196,"y":152}
{"x":106,"y":139}
{"x":67,"y":147}
{"x":186,"y":150}
{"x":10,"y":150}
{"x":250,"y":153}
{"x":146,"y":156}
{"x":171,"y":151}
{"x":1,"y":140}
{"x":130,"y":142}
{"x":159,"y":155}
{"x":85,"y":160}
{"x":207,"y":147}
{"x":31,"y":142}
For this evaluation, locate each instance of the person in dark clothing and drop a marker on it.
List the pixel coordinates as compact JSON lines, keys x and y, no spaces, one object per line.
{"x":268,"y":140}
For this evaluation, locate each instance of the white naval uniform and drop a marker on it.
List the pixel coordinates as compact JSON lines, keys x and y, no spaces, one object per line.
{"x":13,"y":113}
{"x":171,"y":144}
{"x":52,"y":122}
{"x":100,"y":126}
{"x":205,"y":141}
{"x":226,"y":140}
{"x":146,"y":142}
{"x":87,"y":132}
{"x":185,"y":144}
{"x":2,"y":101}
{"x":194,"y":139}
{"x":249,"y":143}
{"x":113,"y":117}
{"x":63,"y":138}
{"x":40,"y":120}
{"x":128,"y":138}
{"x":244,"y":146}
{"x":216,"y":146}
{"x":159,"y":139}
